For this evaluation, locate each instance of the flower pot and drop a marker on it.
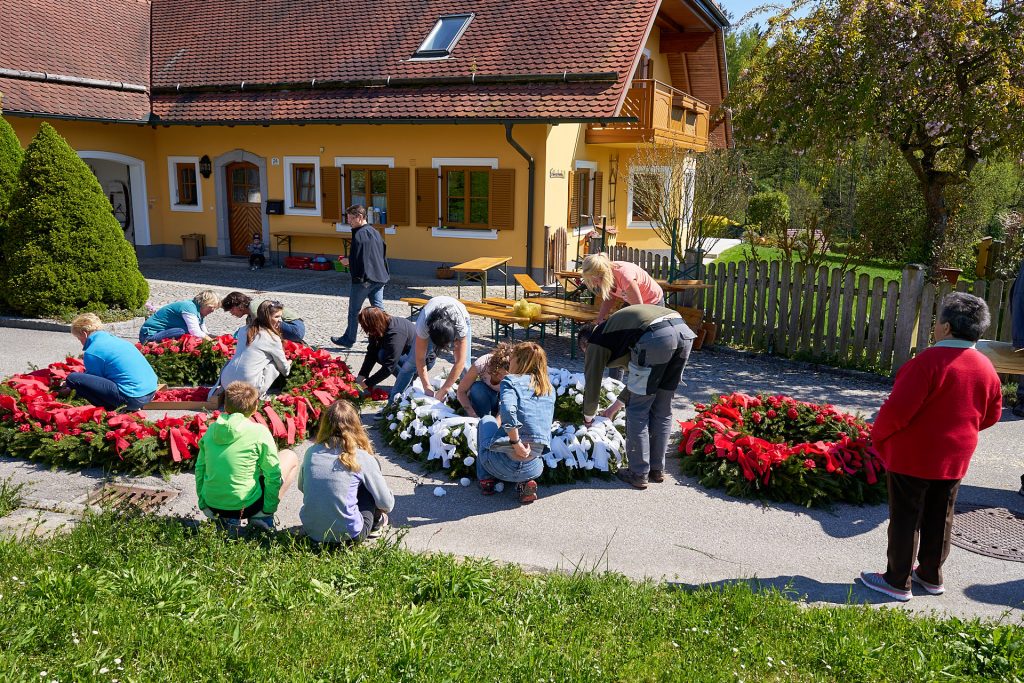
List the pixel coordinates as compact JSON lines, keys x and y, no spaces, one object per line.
{"x":445,"y":273}
{"x":951,"y":274}
{"x":712,"y":333}
{"x":699,"y":341}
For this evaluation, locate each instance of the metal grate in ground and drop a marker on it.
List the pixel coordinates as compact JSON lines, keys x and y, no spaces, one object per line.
{"x":991,"y":531}
{"x":138,"y":497}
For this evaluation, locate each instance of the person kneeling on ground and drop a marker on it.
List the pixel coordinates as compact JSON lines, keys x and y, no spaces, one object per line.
{"x":391,"y":340}
{"x":526,"y":404}
{"x":181,"y":318}
{"x":345,"y":497}
{"x":653,"y":344}
{"x":478,"y":388}
{"x":116,"y":373}
{"x":259,"y":354}
{"x":243,"y":306}
{"x":926,"y":433}
{"x":443,"y":323}
{"x":239,"y":472}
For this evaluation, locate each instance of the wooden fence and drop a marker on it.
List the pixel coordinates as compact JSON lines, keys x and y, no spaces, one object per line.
{"x":787,"y":309}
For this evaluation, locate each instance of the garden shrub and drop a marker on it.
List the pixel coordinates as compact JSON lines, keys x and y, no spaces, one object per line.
{"x":889,"y":212}
{"x":64,"y":249}
{"x":770,"y":212}
{"x":10,"y":163}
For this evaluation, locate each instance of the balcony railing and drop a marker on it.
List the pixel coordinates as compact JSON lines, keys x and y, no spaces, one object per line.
{"x":664,"y":115}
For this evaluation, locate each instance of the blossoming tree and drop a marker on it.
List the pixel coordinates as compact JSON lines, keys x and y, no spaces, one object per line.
{"x":943,"y":80}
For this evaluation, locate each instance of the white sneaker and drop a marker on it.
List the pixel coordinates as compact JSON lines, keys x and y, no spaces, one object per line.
{"x":382,"y":525}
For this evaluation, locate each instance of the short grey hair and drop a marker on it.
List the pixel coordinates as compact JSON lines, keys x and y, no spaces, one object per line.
{"x":207,"y":297}
{"x":967,"y":315}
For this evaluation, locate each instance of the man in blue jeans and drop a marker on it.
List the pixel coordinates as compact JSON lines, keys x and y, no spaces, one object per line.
{"x":368,"y":265}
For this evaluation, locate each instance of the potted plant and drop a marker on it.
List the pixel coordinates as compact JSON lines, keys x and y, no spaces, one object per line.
{"x":444,"y":272}
{"x":951,"y":274}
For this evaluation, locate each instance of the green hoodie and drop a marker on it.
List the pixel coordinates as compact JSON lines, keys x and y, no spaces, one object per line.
{"x":233,"y":454}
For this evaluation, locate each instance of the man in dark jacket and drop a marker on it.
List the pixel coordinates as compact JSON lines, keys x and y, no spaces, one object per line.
{"x":652,"y":344}
{"x":368,"y":265}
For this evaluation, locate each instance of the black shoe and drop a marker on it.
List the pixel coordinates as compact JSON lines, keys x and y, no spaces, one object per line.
{"x":656,"y":476}
{"x":637,"y":481}
{"x":338,"y":341}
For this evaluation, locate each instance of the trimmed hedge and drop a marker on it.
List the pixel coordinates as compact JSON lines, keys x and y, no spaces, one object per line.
{"x":11,"y":155}
{"x":64,"y":249}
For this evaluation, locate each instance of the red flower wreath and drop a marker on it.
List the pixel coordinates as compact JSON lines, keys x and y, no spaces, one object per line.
{"x":37,"y":425}
{"x":779,"y":448}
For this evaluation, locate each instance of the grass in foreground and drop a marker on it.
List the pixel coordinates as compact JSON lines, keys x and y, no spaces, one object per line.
{"x":144,"y":599}
{"x":10,"y":496}
{"x":872,"y":269}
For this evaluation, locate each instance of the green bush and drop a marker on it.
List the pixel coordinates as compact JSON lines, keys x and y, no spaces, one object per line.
{"x":10,"y":163}
{"x":64,"y":249}
{"x":770,"y":212}
{"x":975,"y":206}
{"x":889,"y":212}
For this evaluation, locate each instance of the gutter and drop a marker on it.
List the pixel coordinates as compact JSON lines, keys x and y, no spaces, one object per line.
{"x":390,"y":82}
{"x":712,"y":10}
{"x":44,"y":77}
{"x":448,"y":120}
{"x":531,"y":165}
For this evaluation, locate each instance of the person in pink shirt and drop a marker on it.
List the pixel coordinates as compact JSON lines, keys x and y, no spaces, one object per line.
{"x":619,"y":281}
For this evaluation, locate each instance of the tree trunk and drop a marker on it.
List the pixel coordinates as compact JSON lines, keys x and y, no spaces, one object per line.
{"x":934,"y":190}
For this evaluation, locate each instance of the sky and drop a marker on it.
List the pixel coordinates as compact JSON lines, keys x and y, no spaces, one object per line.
{"x":740,"y":7}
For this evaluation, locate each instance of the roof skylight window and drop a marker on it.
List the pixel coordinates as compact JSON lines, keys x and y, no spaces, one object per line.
{"x":442,"y":38}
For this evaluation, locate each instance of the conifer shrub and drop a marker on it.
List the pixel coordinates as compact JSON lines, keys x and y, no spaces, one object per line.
{"x":64,"y":249}
{"x":10,"y":163}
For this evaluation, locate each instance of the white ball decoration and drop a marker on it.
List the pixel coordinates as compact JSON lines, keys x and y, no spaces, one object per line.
{"x":499,"y":487}
{"x":468,"y":460}
{"x":464,"y":481}
{"x":393,"y":426}
{"x":417,"y":448}
{"x":439,"y":491}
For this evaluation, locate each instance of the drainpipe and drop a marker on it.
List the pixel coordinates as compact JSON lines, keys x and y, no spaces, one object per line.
{"x":529,"y":194}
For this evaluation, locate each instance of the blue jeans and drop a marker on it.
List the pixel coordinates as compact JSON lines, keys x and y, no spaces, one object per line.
{"x":101,"y":391}
{"x":170,"y":333}
{"x":498,"y":465}
{"x":361,"y":291}
{"x":408,"y":367}
{"x":293,"y":331}
{"x":483,"y":399}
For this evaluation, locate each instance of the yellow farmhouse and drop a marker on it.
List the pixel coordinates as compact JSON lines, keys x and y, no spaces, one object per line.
{"x":470,"y":128}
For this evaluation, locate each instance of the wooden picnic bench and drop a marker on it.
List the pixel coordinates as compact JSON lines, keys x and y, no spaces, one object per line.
{"x":500,"y":316}
{"x":529,"y":285}
{"x":479,"y":267}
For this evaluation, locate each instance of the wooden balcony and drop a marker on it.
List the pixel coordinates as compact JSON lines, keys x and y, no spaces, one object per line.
{"x":664,"y":115}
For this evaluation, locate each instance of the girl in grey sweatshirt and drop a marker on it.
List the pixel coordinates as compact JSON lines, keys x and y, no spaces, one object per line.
{"x":345,"y":497}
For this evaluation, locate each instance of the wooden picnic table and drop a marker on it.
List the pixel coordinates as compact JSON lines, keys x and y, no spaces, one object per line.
{"x":666,"y":287}
{"x":575,"y":312}
{"x":482,"y":265}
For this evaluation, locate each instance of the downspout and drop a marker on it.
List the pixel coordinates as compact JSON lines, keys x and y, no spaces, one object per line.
{"x":529,"y":196}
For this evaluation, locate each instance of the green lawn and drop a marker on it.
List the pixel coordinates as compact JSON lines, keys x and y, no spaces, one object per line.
{"x":872,"y":269}
{"x":142,"y":599}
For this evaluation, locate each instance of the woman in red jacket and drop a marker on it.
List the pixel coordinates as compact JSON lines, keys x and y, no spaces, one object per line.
{"x":926,"y":433}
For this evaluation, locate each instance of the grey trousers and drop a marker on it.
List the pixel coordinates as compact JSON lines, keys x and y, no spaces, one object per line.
{"x":649,"y":415}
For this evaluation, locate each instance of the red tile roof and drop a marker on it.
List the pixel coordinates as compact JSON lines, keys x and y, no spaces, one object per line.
{"x":225,"y":42}
{"x":97,"y":39}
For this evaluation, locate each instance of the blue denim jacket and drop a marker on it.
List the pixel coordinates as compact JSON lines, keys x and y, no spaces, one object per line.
{"x":519,"y":407}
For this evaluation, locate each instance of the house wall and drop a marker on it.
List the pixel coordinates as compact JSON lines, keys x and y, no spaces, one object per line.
{"x":412,"y":249}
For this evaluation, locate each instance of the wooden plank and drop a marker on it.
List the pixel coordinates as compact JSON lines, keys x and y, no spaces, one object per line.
{"x":760,"y":299}
{"x":846,"y":317}
{"x":795,"y":292}
{"x":892,"y":300}
{"x":995,"y":296}
{"x":875,"y":320}
{"x":728,"y":313}
{"x":821,"y":301}
{"x":782,"y":326}
{"x":908,"y":313}
{"x":773,"y":303}
{"x":861,"y":317}
{"x":1006,"y":327}
{"x":807,"y":310}
{"x":925,"y":319}
{"x":748,"y":309}
{"x":831,"y":333}
{"x":738,"y":312}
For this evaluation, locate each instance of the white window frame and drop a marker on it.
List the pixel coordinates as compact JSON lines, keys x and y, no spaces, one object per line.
{"x":665,"y":172}
{"x":461,"y":233}
{"x":289,"y":193}
{"x":172,"y":184}
{"x":339,"y":162}
{"x":423,"y":55}
{"x":591,"y":166}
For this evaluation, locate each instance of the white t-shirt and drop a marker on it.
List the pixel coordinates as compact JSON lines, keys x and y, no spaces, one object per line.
{"x":459,"y":312}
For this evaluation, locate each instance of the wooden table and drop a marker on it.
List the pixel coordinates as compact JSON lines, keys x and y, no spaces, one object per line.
{"x":574,"y":312}
{"x":666,"y":287}
{"x":285,"y":237}
{"x":482,"y":265}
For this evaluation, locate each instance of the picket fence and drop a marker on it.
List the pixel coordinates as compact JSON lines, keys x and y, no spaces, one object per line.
{"x":791,"y":310}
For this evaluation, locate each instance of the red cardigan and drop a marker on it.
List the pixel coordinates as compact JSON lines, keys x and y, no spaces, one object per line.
{"x":928,"y":427}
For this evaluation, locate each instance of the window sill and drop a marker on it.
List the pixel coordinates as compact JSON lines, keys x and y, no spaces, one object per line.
{"x":640,"y":225}
{"x":191,"y":208}
{"x":457,"y":233}
{"x":297,"y":211}
{"x":347,"y":229}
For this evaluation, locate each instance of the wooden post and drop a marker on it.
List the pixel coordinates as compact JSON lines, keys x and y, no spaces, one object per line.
{"x":908,"y":314}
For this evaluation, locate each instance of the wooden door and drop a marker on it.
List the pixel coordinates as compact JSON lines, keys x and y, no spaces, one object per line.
{"x":244,"y":205}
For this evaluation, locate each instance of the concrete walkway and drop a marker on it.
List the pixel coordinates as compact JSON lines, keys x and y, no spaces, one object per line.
{"x":676,"y":531}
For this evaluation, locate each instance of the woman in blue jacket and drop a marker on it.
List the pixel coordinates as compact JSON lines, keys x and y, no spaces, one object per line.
{"x":116,"y":373}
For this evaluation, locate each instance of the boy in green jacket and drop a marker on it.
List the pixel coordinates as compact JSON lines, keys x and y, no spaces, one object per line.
{"x":239,"y":472}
